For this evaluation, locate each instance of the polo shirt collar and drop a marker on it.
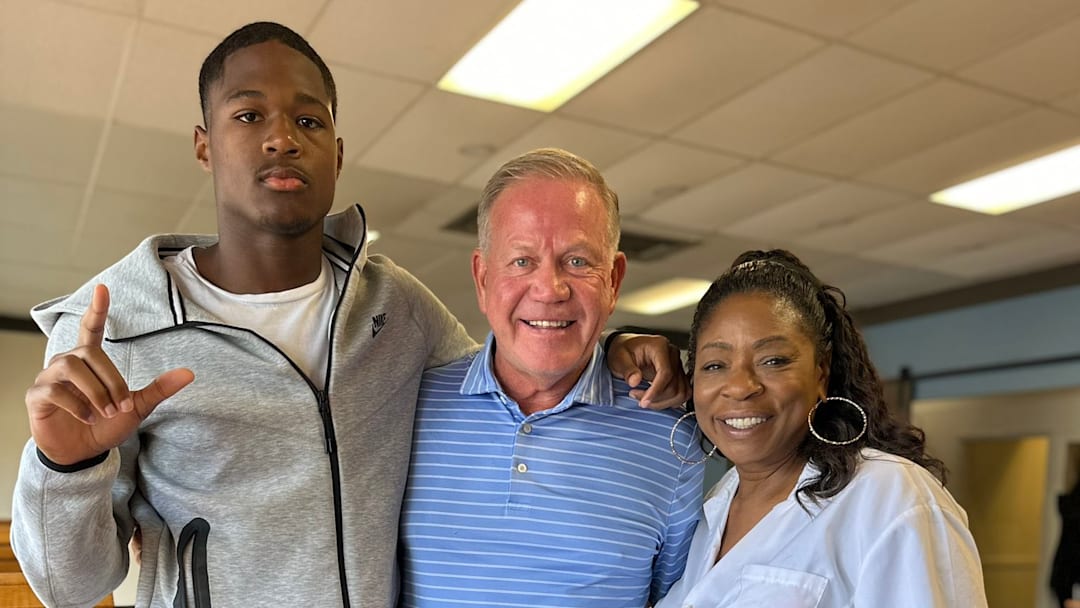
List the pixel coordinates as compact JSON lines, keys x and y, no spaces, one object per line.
{"x":592,"y":388}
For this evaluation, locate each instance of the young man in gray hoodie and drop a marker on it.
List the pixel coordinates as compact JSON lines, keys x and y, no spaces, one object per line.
{"x":276,"y":476}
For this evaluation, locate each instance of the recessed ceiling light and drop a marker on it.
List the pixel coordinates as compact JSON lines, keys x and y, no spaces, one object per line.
{"x":1029,"y":183}
{"x":546,"y":51}
{"x":664,"y":297}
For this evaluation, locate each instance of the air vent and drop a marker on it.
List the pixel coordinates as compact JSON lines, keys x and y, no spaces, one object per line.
{"x":649,"y":248}
{"x":637,"y":246}
{"x":464,"y":223}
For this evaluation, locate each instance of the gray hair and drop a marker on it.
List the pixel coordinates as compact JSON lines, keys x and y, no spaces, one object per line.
{"x":552,"y":163}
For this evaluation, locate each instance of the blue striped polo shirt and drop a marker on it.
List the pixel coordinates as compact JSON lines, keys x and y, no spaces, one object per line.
{"x":582,"y":504}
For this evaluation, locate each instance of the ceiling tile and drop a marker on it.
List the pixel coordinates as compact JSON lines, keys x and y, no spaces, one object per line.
{"x":48,"y":51}
{"x":451,"y":204}
{"x":1064,"y":211}
{"x":31,"y":202}
{"x":602,"y":146}
{"x":123,"y":7}
{"x":707,"y":58}
{"x":1031,"y":249}
{"x":37,"y":243}
{"x":46,"y":145}
{"x":886,"y":226}
{"x":830,"y":86}
{"x":95,"y":251}
{"x":893,"y":283}
{"x":427,"y":140}
{"x":372,"y":35}
{"x":928,"y":248}
{"x":706,"y":260}
{"x":387,"y":198}
{"x":221,"y":18}
{"x":661,"y":170}
{"x":1070,"y":103}
{"x":428,"y":221}
{"x":980,"y":152}
{"x":427,"y":225}
{"x":831,"y":18}
{"x":160,"y":87}
{"x":367,"y":106}
{"x":733,"y":197}
{"x":138,"y":215}
{"x":956,"y":33}
{"x":926,"y":117}
{"x":837,"y":269}
{"x":1042,"y":68}
{"x":29,"y":284}
{"x":830,"y":207}
{"x":150,"y":162}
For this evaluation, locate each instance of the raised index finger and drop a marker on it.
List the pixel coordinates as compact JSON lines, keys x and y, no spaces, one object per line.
{"x":92,"y":326}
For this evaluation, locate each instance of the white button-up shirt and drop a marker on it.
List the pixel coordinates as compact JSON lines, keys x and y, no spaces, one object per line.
{"x":893,"y":537}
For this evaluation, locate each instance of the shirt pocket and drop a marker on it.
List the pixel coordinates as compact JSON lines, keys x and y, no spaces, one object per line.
{"x":771,"y":586}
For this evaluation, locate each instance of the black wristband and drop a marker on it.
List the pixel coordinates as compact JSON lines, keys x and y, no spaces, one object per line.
{"x":73,"y":468}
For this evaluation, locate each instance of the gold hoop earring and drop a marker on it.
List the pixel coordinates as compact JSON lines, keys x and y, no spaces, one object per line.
{"x":859,"y":408}
{"x":676,"y":452}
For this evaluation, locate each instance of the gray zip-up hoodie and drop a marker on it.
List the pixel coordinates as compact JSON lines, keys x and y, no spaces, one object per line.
{"x":252,"y":486}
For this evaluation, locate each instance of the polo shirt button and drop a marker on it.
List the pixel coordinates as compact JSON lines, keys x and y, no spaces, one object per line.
{"x":521,"y":468}
{"x":526,"y":428}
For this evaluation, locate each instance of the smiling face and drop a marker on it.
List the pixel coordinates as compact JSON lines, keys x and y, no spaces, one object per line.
{"x":755,"y":379}
{"x":547,"y":281}
{"x":270,"y":143}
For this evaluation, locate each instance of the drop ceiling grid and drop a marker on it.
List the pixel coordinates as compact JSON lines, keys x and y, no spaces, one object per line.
{"x":895,"y":106}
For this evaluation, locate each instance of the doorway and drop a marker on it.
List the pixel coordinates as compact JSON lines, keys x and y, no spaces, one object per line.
{"x":1006,"y":486}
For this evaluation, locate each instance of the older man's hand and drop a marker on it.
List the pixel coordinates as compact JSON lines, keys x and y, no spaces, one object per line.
{"x":637,"y":358}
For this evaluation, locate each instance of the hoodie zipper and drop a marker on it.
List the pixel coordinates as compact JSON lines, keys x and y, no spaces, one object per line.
{"x":335,"y":474}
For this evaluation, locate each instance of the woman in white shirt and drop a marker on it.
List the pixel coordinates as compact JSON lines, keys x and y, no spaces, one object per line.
{"x":831,"y":501}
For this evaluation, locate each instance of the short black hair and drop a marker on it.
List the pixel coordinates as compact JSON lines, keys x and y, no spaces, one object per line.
{"x":213,"y":66}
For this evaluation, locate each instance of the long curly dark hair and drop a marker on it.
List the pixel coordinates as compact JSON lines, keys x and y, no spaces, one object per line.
{"x":824,"y":319}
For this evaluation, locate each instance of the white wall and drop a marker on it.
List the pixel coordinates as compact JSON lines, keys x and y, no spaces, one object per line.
{"x":1055,"y":414}
{"x":21,"y":357}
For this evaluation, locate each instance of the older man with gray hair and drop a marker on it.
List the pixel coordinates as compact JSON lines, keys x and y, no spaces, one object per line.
{"x":536,"y":480}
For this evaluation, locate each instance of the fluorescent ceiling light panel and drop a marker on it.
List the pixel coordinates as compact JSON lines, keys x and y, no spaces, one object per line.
{"x":1030,"y":183}
{"x":664,"y":297}
{"x":546,"y":51}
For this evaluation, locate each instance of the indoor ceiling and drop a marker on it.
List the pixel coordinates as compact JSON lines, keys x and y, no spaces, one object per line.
{"x":816,"y":125}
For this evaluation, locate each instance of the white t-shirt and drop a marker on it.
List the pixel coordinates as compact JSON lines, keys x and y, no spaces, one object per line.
{"x":894,"y":537}
{"x":297,"y":321}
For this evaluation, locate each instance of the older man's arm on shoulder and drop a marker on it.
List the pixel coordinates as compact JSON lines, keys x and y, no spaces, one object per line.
{"x":639,"y":358}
